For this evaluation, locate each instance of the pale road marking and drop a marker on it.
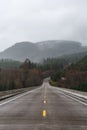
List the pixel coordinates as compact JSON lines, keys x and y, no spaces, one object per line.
{"x":17,"y":97}
{"x":44,"y":113}
{"x":44,"y":102}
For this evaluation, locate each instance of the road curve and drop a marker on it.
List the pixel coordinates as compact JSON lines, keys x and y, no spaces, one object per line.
{"x":45,"y":108}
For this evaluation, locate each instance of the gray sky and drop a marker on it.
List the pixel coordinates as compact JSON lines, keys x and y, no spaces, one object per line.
{"x":37,"y":20}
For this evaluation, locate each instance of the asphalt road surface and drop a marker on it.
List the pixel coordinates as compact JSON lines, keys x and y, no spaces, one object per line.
{"x":45,"y":108}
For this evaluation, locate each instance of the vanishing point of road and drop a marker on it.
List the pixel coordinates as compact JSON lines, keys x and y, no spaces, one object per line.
{"x":44,"y":108}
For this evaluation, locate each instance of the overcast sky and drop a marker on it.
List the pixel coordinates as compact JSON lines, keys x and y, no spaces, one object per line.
{"x":37,"y":20}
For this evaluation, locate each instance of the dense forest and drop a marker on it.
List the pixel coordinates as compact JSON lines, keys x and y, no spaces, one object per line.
{"x":14,"y":75}
{"x":24,"y":76}
{"x":69,"y":72}
{"x":73,"y":76}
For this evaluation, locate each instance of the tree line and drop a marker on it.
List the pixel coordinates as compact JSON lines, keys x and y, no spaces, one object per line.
{"x":26,"y":75}
{"x":62,"y":71}
{"x":73,"y":76}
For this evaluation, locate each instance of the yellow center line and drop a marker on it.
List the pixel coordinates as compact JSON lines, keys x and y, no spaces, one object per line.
{"x":44,"y":113}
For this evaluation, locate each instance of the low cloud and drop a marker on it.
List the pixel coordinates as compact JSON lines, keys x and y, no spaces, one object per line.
{"x":37,"y":20}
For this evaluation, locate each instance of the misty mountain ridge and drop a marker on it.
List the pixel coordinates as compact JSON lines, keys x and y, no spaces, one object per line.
{"x":42,"y":50}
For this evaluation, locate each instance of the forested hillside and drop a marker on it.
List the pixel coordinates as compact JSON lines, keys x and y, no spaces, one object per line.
{"x":73,"y":76}
{"x":9,"y":64}
{"x":26,"y":75}
{"x":69,"y":72}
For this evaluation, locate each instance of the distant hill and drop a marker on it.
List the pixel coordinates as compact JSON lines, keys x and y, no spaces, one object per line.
{"x":20,"y":51}
{"x":42,"y":50}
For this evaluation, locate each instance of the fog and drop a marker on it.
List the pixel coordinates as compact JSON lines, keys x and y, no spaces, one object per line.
{"x":38,"y":20}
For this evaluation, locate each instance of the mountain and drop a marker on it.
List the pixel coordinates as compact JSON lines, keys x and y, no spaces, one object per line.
{"x":21,"y":51}
{"x":40,"y":50}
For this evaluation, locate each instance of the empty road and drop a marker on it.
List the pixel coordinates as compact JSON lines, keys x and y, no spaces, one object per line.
{"x":45,"y":108}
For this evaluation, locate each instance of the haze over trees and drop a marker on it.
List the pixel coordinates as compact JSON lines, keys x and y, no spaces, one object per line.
{"x":9,"y":64}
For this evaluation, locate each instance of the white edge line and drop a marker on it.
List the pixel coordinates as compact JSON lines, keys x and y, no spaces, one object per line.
{"x":72,"y":97}
{"x":79,"y":95}
{"x":74,"y":94}
{"x":62,"y":92}
{"x":17,"y":97}
{"x":75,"y":99}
